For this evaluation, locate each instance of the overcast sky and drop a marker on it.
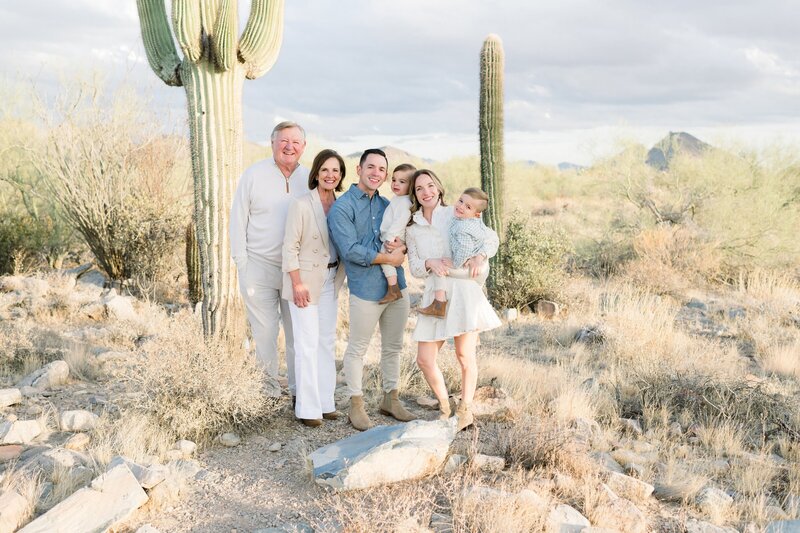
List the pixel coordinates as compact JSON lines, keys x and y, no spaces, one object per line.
{"x":579,"y":73}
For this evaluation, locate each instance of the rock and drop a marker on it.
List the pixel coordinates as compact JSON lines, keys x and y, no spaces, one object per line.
{"x":773,"y":512}
{"x":79,"y":420}
{"x":428,"y":402}
{"x":147,"y":476}
{"x":454,"y":462}
{"x":384,"y":454}
{"x":186,"y":447}
{"x":119,"y":307}
{"x":493,"y":403}
{"x":77,"y":442}
{"x":783,"y":526}
{"x":59,"y":458}
{"x":675,"y":430}
{"x":10,"y":397}
{"x":546,"y":309}
{"x":605,"y":460}
{"x":50,"y":375}
{"x":510,"y":314}
{"x":620,"y":514}
{"x":10,"y":452}
{"x":274,"y":447}
{"x":713,"y":501}
{"x":629,"y":488}
{"x":630,"y":425}
{"x":230,"y":439}
{"x":698,"y":526}
{"x":92,"y":282}
{"x":792,"y":505}
{"x":529,"y":499}
{"x":441,"y":523}
{"x":488,"y":463}
{"x":591,"y":335}
{"x":113,"y":497}
{"x":19,"y":432}
{"x":694,"y":303}
{"x":147,"y":528}
{"x":78,"y":271}
{"x":565,"y":519}
{"x":13,"y":510}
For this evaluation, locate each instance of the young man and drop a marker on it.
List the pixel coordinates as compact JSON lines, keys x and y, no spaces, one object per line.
{"x":258,"y":220}
{"x":355,"y":227}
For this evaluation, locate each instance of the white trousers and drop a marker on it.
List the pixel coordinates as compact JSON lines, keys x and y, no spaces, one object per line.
{"x":261,"y":285}
{"x":314,"y":329}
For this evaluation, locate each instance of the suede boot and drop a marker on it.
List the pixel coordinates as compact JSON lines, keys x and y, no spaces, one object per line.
{"x":464,"y":414}
{"x":333,"y":415}
{"x":392,"y":293}
{"x":310,"y":422}
{"x":445,"y":409}
{"x":392,"y":406}
{"x":358,"y":415}
{"x":437,"y":309}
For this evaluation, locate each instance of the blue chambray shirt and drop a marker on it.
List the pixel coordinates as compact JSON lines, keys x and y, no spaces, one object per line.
{"x":354,"y":223}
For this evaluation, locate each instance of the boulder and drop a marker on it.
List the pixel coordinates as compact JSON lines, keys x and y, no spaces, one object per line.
{"x":10,"y":397}
{"x":713,"y":501}
{"x":47,"y":462}
{"x":10,"y":452}
{"x":230,"y":439}
{"x":783,"y":526}
{"x":698,"y":526}
{"x":147,"y":476}
{"x":50,"y":375}
{"x":186,"y":447}
{"x":77,"y":442}
{"x":546,"y":309}
{"x":629,"y":488}
{"x":13,"y":510}
{"x":620,"y":514}
{"x":384,"y":454}
{"x":19,"y":432}
{"x":565,"y":519}
{"x":112,"y":497}
{"x":605,"y":460}
{"x":119,"y":307}
{"x":488,"y":463}
{"x":78,"y":420}
{"x":493,"y":403}
{"x":454,"y":462}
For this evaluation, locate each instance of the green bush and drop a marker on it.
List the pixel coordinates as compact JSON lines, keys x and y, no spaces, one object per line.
{"x":530,"y":262}
{"x":27,"y":242}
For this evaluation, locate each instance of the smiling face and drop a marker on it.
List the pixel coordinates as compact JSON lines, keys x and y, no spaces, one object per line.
{"x":467,"y":207}
{"x":400,"y":182}
{"x":330,"y":174}
{"x":426,"y":191}
{"x":287,"y":147}
{"x":372,"y":173}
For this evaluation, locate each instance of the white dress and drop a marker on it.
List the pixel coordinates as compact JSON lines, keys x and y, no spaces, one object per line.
{"x":468,"y":309}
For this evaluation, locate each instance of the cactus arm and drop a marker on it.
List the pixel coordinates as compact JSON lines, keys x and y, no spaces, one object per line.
{"x":223,"y":41}
{"x":262,"y":36}
{"x":157,"y":39}
{"x":188,"y":32}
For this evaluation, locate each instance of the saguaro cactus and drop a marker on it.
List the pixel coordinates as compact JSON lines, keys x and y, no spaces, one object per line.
{"x":212,"y":72}
{"x":193,"y":265}
{"x":490,"y":126}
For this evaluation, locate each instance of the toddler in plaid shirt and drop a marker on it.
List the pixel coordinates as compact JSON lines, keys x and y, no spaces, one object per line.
{"x":467,"y":235}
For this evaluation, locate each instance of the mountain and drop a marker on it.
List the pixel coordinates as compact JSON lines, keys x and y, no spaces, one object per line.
{"x":566,"y":165}
{"x":395,"y":156}
{"x":664,"y":150}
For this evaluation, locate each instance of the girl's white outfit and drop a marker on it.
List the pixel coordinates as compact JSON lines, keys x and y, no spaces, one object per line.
{"x":468,"y":309}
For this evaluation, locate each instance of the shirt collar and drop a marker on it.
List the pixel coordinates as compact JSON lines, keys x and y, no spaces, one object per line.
{"x":361,"y":194}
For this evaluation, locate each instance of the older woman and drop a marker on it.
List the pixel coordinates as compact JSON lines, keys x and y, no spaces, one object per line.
{"x":313,"y":276}
{"x":468,"y":312}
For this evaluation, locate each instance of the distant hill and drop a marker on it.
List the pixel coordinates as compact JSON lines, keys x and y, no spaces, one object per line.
{"x":566,"y":165}
{"x":660,"y":155}
{"x":395,"y":156}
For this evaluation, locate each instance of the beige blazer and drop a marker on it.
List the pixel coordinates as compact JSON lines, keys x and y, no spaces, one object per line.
{"x":306,"y":247}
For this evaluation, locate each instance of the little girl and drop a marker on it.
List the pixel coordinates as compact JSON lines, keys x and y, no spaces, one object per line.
{"x":393,"y":225}
{"x":467,"y":236}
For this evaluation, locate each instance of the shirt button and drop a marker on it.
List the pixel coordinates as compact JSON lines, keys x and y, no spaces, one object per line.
{"x":315,"y":250}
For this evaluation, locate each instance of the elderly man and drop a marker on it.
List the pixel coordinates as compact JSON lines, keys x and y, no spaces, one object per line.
{"x":355,"y":227}
{"x":258,"y":219}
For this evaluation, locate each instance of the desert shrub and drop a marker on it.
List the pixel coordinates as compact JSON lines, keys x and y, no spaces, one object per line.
{"x":198,"y":388}
{"x":116,"y":182}
{"x":529,"y":264}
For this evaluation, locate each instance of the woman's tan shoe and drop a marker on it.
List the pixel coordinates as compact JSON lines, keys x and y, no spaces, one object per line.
{"x":465,"y":417}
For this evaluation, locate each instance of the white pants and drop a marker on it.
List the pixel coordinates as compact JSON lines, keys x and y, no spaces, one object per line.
{"x":260,"y":285}
{"x":315,"y":352}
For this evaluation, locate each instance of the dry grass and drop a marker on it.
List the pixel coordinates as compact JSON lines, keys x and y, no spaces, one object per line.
{"x":198,"y":389}
{"x":24,"y":483}
{"x":133,"y":435}
{"x":783,"y":360}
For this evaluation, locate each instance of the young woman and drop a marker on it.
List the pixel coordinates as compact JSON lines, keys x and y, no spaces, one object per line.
{"x":468,"y":311}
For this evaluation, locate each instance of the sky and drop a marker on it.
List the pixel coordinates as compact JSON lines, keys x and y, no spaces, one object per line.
{"x":580,"y":75}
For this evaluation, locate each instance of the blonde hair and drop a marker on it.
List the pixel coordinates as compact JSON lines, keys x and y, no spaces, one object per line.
{"x":477,"y":194}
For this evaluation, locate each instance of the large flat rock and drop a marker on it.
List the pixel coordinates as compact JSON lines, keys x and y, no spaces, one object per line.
{"x":108,"y":501}
{"x":384,"y":454}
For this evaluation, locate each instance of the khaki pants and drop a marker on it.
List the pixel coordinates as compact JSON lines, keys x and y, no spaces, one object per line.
{"x":391,"y":318}
{"x":261,"y":285}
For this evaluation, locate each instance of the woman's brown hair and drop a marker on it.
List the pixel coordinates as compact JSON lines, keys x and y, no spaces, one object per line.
{"x":319,"y":160}
{"x":414,"y":202}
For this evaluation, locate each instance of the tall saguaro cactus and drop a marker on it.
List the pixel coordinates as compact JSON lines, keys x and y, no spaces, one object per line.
{"x":212,"y":71}
{"x":490,"y":126}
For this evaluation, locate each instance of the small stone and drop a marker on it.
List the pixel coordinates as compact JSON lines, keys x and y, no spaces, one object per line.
{"x":427,"y":401}
{"x":530,"y":499}
{"x":10,"y":452}
{"x":713,"y":501}
{"x":605,"y":460}
{"x":78,"y":420}
{"x":147,"y":528}
{"x":275,"y":447}
{"x":19,"y":432}
{"x":13,"y":509}
{"x":230,"y":439}
{"x":441,"y":523}
{"x":620,"y":514}
{"x":51,"y":375}
{"x":186,"y":447}
{"x":698,"y":526}
{"x":565,"y":519}
{"x":675,"y":429}
{"x":10,"y":397}
{"x":510,"y":314}
{"x":488,"y":463}
{"x":783,"y":526}
{"x":630,"y":488}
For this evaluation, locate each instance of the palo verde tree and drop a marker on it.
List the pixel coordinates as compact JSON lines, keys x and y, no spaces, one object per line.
{"x":490,"y":127}
{"x":214,"y":66}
